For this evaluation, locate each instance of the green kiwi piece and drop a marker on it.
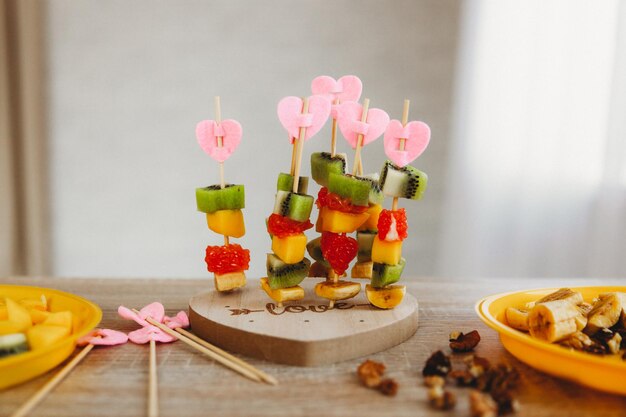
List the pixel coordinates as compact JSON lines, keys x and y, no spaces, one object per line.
{"x":403,"y":182}
{"x":383,"y":274}
{"x":357,"y":189}
{"x":12,"y":344}
{"x":285,"y":183}
{"x":295,"y":206}
{"x":314,"y":248}
{"x":376,"y":194}
{"x":365,"y":240}
{"x":214,"y":198}
{"x":282,"y":275}
{"x":322,"y":165}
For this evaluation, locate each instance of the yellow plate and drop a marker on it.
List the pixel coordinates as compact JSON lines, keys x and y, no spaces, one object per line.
{"x":606,"y":373}
{"x":19,"y":368}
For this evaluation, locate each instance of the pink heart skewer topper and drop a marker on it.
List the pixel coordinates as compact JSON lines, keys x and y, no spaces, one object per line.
{"x":103,"y":337}
{"x":149,"y":332}
{"x":346,"y":88}
{"x":208,"y":132}
{"x":416,"y":135}
{"x":349,"y":120}
{"x":290,"y":115}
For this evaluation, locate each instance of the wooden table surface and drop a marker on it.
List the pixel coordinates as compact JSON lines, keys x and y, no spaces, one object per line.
{"x":113,"y":381}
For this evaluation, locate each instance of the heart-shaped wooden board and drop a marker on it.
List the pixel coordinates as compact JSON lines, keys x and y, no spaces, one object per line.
{"x":303,"y":333}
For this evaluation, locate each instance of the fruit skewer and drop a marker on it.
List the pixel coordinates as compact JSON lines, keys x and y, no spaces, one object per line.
{"x":287,"y":266}
{"x":223,"y":203}
{"x":345,"y":201}
{"x":404,"y":142}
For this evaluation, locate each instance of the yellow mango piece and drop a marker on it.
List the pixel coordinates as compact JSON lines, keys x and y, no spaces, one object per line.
{"x":340,"y":290}
{"x":229,"y":281}
{"x":44,"y":335}
{"x":226,"y":222}
{"x":372,"y":221}
{"x":3,"y":310}
{"x":18,"y":318}
{"x":281,"y":295}
{"x":62,"y":319}
{"x":38,"y":316}
{"x":386,"y":252}
{"x":339,"y":222}
{"x":289,"y":249}
{"x":387,"y":297}
{"x":40,"y":303}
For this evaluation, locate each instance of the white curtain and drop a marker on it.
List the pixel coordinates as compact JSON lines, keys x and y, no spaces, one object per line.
{"x":538,"y":180}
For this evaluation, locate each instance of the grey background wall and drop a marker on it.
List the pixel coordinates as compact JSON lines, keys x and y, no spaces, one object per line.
{"x":128,"y":81}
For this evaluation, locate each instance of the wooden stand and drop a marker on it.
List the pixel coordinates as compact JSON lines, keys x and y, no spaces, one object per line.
{"x":303,"y":333}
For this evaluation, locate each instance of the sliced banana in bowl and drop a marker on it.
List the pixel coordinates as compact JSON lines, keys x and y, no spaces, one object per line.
{"x":556,"y":330}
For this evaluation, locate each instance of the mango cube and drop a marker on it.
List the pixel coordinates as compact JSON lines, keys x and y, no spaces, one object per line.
{"x":289,"y":249}
{"x":62,"y":319}
{"x":371,"y":223}
{"x":18,"y":318}
{"x":386,"y":252}
{"x":339,"y":222}
{"x":229,"y":281}
{"x":44,"y":335}
{"x":226,"y":222}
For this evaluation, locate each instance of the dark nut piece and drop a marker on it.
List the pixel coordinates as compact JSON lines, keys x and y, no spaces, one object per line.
{"x":463,"y":378}
{"x":482,"y":405}
{"x":388,"y":387}
{"x":441,"y":399}
{"x":460,"y":342}
{"x":437,"y":364}
{"x":434,"y":381}
{"x":369,"y":372}
{"x":476,"y":365}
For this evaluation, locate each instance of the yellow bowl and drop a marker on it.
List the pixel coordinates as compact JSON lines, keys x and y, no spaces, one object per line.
{"x":606,"y":373}
{"x":20,"y":368}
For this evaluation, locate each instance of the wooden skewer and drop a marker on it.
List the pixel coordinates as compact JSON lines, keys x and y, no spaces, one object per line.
{"x":359,"y":140}
{"x":220,"y":143}
{"x":235,"y":367}
{"x":267,"y":378}
{"x":153,"y":395}
{"x":333,"y":134}
{"x":405,"y":120}
{"x":293,"y":156}
{"x":28,"y":406}
{"x":300,"y":146}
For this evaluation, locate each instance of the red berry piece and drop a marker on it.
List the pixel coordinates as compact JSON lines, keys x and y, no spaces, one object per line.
{"x":227,"y":258}
{"x":339,"y":250}
{"x":336,"y":202}
{"x":283,"y":226}
{"x":393,"y":219}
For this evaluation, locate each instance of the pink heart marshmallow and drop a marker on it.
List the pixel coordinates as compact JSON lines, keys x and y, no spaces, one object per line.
{"x":416,"y":135}
{"x":103,"y":337}
{"x":148,"y":333}
{"x":349,"y":121}
{"x":290,"y":115}
{"x":346,"y":88}
{"x":180,"y":320}
{"x":207,"y":133}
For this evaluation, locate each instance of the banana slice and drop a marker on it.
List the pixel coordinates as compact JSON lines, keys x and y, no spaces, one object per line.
{"x":387,"y":297}
{"x":605,"y":313}
{"x":553,"y":321}
{"x":340,"y":290}
{"x":517,"y":318}
{"x":563,"y":294}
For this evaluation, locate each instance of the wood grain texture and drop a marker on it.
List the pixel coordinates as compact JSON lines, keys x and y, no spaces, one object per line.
{"x":306,"y":333}
{"x":113,"y":381}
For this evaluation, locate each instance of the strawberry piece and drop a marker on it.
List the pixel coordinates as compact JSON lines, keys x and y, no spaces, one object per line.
{"x":339,"y":250}
{"x":283,"y":226}
{"x":386,"y":221}
{"x":335,"y":202}
{"x":227,"y":258}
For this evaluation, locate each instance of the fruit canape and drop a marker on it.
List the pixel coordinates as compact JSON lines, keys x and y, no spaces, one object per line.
{"x":404,"y":142}
{"x":222,"y":203}
{"x":287,"y":266}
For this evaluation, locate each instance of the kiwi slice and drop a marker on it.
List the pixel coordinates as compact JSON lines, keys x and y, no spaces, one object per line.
{"x":365,"y":241}
{"x":383,"y":274}
{"x":282,"y":275}
{"x":322,"y":165}
{"x":357,"y":189}
{"x":376,"y":194}
{"x":295,"y":206}
{"x":12,"y":344}
{"x":403,"y":182}
{"x":314,"y":248}
{"x":214,"y":198}
{"x":285,"y":183}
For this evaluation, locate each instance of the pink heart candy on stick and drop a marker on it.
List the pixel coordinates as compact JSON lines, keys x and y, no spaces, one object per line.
{"x":148,"y":332}
{"x":290,"y":115}
{"x":346,"y":88}
{"x":416,"y":135}
{"x":103,"y":337}
{"x":349,"y":120}
{"x":208,"y":131}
